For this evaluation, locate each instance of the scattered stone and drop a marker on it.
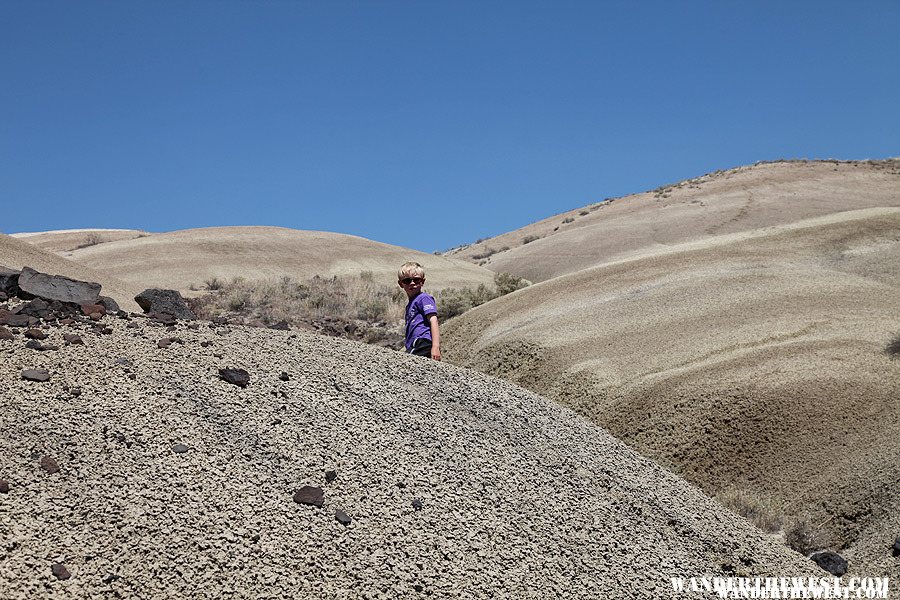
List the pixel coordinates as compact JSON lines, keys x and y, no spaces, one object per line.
{"x":310,"y":495}
{"x":238,"y":377}
{"x":4,"y":486}
{"x":133,"y":325}
{"x":34,"y":345}
{"x":280,"y":325}
{"x":60,"y":571}
{"x":180,"y":448}
{"x":160,"y":318}
{"x":330,"y":476}
{"x":73,"y":339}
{"x":206,"y":344}
{"x":110,"y":305}
{"x":67,"y":321}
{"x":194,"y":326}
{"x":417,"y":504}
{"x":35,"y":334}
{"x":49,"y":465}
{"x":342,"y":517}
{"x":3,"y":297}
{"x":90,"y":310}
{"x":110,"y":578}
{"x":9,"y":282}
{"x":96,"y":317}
{"x":832,"y":562}
{"x":6,"y":334}
{"x":164,"y":343}
{"x":13,"y":319}
{"x":106,"y":331}
{"x":284,"y":376}
{"x":896,"y":547}
{"x":36,"y":374}
{"x":164,"y":301}
{"x":56,"y":287}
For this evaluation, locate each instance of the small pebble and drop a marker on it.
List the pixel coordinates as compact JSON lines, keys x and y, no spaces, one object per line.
{"x":342,"y":517}
{"x":180,"y":448}
{"x":60,"y":571}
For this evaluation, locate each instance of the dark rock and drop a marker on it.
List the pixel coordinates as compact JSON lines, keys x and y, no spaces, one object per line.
{"x":161,"y":318}
{"x":206,"y":344}
{"x":164,"y":343}
{"x":73,"y":339}
{"x":133,"y":325}
{"x":4,"y":486}
{"x":896,"y":547}
{"x":238,"y":377}
{"x":110,"y":578}
{"x":34,"y":345}
{"x":9,"y":282}
{"x":67,"y":321}
{"x":3,"y":297}
{"x":13,"y":319}
{"x":164,"y":301}
{"x":312,"y":496}
{"x":832,"y":562}
{"x":56,"y":287}
{"x":49,"y":465}
{"x":110,"y":305}
{"x":6,"y":334}
{"x":106,"y":330}
{"x":417,"y":504}
{"x":194,"y":326}
{"x":284,"y":376}
{"x":60,"y":571}
{"x":342,"y":517}
{"x":180,"y":448}
{"x":35,"y":334}
{"x":280,"y":325}
{"x":36,"y":374}
{"x":96,"y":316}
{"x":330,"y":476}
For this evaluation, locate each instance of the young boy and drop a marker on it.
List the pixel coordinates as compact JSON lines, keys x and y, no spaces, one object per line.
{"x":423,"y":335}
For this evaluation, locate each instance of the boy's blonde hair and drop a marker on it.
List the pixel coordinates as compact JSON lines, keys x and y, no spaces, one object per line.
{"x":411,"y":269}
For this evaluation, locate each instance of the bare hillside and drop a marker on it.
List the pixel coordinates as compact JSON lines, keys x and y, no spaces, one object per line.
{"x":741,"y":199}
{"x":136,"y":472}
{"x":753,"y":361}
{"x":16,"y":253}
{"x":184,"y":259}
{"x":64,"y":241}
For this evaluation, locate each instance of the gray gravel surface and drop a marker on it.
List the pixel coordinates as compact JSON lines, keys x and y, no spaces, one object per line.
{"x":438,"y":481}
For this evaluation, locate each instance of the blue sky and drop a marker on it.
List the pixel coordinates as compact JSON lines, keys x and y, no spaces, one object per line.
{"x":422,"y":124}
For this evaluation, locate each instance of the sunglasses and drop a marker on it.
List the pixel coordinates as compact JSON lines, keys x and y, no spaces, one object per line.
{"x":409,"y":280}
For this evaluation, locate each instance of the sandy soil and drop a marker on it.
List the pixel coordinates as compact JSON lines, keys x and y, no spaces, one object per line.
{"x":752,"y":360}
{"x":181,"y":259}
{"x":738,"y":200}
{"x":517,"y":496}
{"x":17,"y":253}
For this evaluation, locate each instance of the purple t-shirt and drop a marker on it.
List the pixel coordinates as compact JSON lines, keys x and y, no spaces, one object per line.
{"x":417,"y":311}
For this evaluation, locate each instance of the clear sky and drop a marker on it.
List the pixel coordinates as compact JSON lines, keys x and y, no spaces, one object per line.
{"x":424,"y":124}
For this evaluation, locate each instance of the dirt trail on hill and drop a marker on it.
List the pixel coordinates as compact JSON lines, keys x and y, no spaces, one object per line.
{"x":456,"y":484}
{"x":754,"y":361}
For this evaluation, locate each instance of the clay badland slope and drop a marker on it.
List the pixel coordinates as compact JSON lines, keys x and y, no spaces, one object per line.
{"x":64,"y":241}
{"x":16,"y":253}
{"x":741,"y":199}
{"x":181,"y":259}
{"x":753,"y":360}
{"x":456,"y":484}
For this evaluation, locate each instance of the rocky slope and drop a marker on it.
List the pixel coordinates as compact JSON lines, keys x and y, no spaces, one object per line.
{"x":135,"y":471}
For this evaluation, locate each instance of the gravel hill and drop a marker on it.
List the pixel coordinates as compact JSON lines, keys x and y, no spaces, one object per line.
{"x":175,"y":483}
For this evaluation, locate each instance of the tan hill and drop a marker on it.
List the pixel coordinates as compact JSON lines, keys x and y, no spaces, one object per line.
{"x":754,"y":361}
{"x":456,"y":485}
{"x":184,"y":259}
{"x":741,"y":199}
{"x":64,"y":241}
{"x":16,"y":253}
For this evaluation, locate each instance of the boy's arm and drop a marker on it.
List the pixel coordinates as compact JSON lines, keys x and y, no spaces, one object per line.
{"x":435,"y":337}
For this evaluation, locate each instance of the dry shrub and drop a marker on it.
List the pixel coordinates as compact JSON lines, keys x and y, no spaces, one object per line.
{"x":893,"y":349}
{"x":800,"y":535}
{"x":762,"y":512}
{"x":455,"y":301}
{"x":530,"y":238}
{"x":92,"y":239}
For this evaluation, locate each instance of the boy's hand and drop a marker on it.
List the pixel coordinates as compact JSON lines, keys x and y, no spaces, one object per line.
{"x":435,"y":353}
